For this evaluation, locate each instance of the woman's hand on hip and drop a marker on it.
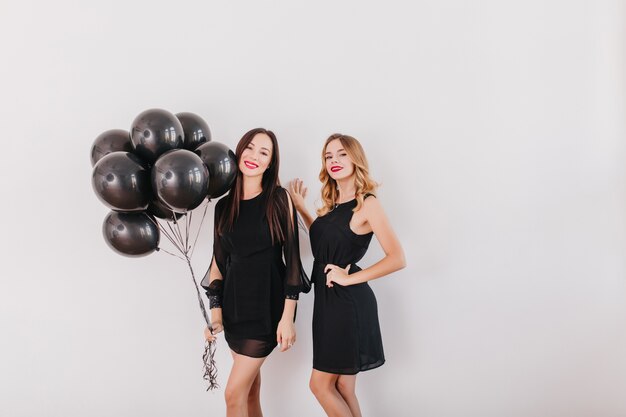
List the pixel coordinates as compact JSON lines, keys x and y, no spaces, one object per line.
{"x":336,"y":274}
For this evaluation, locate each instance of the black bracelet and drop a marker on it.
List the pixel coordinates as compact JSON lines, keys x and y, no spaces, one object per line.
{"x":215,"y":301}
{"x":214,"y":293}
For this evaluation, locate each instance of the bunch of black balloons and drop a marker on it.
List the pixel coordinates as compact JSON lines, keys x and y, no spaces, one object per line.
{"x":166,"y":166}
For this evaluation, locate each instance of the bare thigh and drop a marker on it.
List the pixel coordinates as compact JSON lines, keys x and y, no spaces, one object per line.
{"x":242,"y":375}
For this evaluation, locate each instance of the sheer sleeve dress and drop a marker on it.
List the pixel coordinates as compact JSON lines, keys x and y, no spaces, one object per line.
{"x":258,"y":274}
{"x":346,"y":332}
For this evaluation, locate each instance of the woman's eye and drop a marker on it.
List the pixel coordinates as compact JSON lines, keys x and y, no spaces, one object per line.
{"x":343,"y":154}
{"x":264,"y":154}
{"x":328,"y":157}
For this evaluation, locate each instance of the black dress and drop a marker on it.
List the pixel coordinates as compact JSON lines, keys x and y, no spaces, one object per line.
{"x":346,"y":333}
{"x":256,"y":280}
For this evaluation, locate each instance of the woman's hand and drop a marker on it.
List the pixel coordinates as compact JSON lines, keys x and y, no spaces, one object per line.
{"x":286,"y":334}
{"x":298,"y":191}
{"x":209,"y":335}
{"x":337,"y":275}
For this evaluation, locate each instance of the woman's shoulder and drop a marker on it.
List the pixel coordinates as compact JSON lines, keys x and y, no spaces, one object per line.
{"x":281,"y":194}
{"x":368,"y":199}
{"x":281,"y":190}
{"x":371,"y":204}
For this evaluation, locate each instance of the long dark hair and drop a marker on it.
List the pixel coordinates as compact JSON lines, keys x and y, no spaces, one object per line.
{"x":275,"y":207}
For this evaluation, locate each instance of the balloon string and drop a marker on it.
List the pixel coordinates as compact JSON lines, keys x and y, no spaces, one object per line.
{"x":178,"y":246}
{"x":208,"y":358}
{"x":173,"y":230}
{"x":177,"y":239}
{"x":168,"y":236}
{"x":171,"y":237}
{"x":170,"y":253}
{"x":193,"y":248}
{"x":180,"y":235}
{"x":187,"y":227}
{"x":301,"y":225}
{"x":164,"y":232}
{"x":202,"y":307}
{"x":210,"y":370}
{"x":174,"y":240}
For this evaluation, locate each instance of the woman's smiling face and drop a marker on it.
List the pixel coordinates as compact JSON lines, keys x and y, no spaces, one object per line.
{"x":257,"y":156}
{"x":338,"y":163}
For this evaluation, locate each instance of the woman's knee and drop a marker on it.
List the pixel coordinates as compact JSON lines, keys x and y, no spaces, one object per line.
{"x":345,"y":388}
{"x":234,"y":395}
{"x":319,"y":386}
{"x":315,"y":386}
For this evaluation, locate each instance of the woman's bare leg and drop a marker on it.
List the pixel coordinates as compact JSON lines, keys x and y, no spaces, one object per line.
{"x":346,"y":385}
{"x":324,"y":387}
{"x":254,"y":398}
{"x":243,"y":374}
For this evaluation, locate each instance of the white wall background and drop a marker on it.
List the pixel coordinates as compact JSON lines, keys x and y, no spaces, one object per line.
{"x":497,"y":129}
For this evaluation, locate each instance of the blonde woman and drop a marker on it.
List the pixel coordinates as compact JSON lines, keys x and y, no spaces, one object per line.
{"x":346,"y":333}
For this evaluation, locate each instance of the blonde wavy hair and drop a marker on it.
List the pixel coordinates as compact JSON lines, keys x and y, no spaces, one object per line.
{"x":362,"y":180}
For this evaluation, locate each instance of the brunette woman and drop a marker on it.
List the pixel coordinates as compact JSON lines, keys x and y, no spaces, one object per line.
{"x":252,"y":292}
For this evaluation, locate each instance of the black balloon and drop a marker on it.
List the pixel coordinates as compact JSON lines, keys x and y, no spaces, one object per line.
{"x":122,"y":182}
{"x":131,"y":234}
{"x":180,"y":179}
{"x":155,"y":132}
{"x":196,"y":130}
{"x":110,"y":141}
{"x":222,"y":164}
{"x":160,"y":210}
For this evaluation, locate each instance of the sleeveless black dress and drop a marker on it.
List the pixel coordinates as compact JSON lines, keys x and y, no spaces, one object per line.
{"x":346,"y":333}
{"x":256,"y":279}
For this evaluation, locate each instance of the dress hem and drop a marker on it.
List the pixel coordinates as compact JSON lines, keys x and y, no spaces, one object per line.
{"x":252,"y":356}
{"x":362,"y":369}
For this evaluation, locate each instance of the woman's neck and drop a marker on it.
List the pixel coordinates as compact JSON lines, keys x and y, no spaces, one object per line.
{"x":251,"y":187}
{"x":347,"y":189}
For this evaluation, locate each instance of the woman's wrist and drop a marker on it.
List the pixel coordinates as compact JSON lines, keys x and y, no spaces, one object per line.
{"x":215,"y":301}
{"x":289,"y":311}
{"x":286,"y":319}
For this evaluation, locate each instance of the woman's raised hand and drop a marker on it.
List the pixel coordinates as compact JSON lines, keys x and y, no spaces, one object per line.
{"x":298,"y":192}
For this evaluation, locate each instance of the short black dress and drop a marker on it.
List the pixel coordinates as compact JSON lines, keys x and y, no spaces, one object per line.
{"x":346,"y":332}
{"x":256,"y":279}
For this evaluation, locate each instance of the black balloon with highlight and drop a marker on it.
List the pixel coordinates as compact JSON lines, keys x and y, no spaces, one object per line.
{"x":113,"y":140}
{"x":131,"y":234}
{"x":222,"y":165}
{"x":122,"y":182}
{"x":180,"y":179}
{"x":196,"y":130}
{"x":155,"y":132}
